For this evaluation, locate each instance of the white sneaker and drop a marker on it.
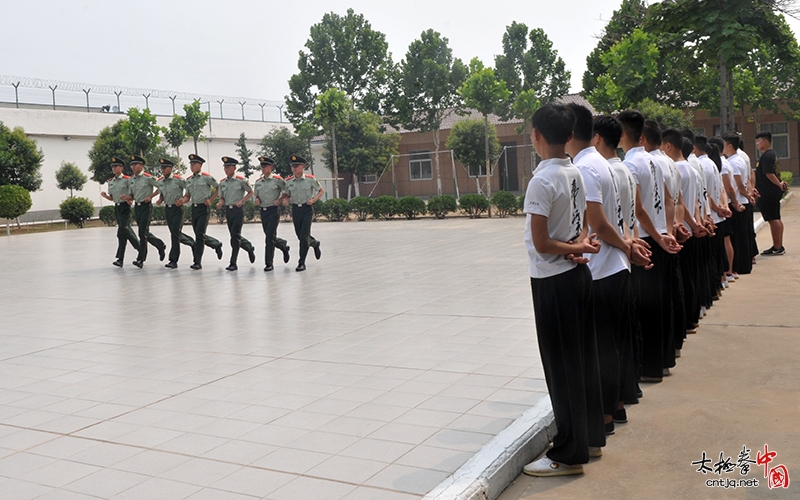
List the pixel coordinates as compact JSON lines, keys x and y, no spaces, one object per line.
{"x":595,"y":452}
{"x":677,"y":353}
{"x":736,"y":276}
{"x":544,"y":467}
{"x":702,"y":311}
{"x":725,"y":284}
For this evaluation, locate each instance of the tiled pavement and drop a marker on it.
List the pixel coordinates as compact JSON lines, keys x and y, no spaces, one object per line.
{"x":373,"y":375}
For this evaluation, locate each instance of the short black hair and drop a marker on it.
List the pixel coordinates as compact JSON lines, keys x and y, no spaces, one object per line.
{"x":713,"y":154}
{"x":555,"y":122}
{"x":652,"y":132}
{"x":687,"y":148}
{"x":674,"y":137}
{"x":733,"y":139}
{"x":688,"y":134}
{"x":765,"y":135}
{"x":609,"y":129}
{"x":632,"y":123}
{"x":718,"y":142}
{"x":583,"y":122}
{"x":701,"y":142}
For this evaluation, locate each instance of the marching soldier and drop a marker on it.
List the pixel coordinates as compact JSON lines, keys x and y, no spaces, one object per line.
{"x":268,"y":190}
{"x":144,"y":187}
{"x":201,"y":189}
{"x":171,"y":188}
{"x":234,"y":191}
{"x":304,"y":190}
{"x":119,"y":191}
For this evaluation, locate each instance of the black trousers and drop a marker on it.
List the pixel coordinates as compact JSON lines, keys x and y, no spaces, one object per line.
{"x":751,"y":230}
{"x":269,"y":223}
{"x":235,"y":217}
{"x":689,"y":274}
{"x":301,"y":218}
{"x":740,"y":239}
{"x":125,"y":233}
{"x":678,"y":309}
{"x":143,"y":213}
{"x":612,"y":319}
{"x":177,"y":237}
{"x":201,"y":239}
{"x":652,"y":290}
{"x":562,"y":307}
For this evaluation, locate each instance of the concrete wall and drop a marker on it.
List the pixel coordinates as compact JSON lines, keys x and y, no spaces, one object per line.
{"x":69,"y":135}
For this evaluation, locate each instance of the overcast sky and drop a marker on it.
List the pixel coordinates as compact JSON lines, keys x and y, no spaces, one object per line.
{"x":248,"y":48}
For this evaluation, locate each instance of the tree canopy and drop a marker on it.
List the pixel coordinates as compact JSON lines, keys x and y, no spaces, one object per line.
{"x":69,"y":176}
{"x":20,"y":159}
{"x":194,"y":120}
{"x":468,"y":144}
{"x":246,"y":166}
{"x":280,"y":144}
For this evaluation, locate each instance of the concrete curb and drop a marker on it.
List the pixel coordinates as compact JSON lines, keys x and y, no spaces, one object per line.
{"x":491,"y":470}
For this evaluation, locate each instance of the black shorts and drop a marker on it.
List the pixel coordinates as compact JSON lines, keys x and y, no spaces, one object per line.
{"x":724,"y":228}
{"x":770,"y":207}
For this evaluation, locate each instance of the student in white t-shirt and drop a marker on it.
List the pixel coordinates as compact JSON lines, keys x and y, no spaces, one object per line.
{"x":740,"y":234}
{"x":712,"y":168}
{"x":556,"y":239}
{"x":751,"y":188}
{"x":651,"y":291}
{"x":734,"y":207}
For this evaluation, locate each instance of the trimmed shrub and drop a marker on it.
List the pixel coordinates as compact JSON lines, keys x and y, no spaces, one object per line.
{"x":187,"y":213}
{"x":384,"y":207}
{"x":337,"y":209}
{"x":76,"y":210}
{"x":159,"y":214}
{"x":108,"y":216}
{"x":505,"y":202}
{"x":521,"y":203}
{"x":410,"y":207}
{"x":361,"y":206}
{"x":474,"y":205}
{"x":14,"y":201}
{"x":219,"y":213}
{"x":250,"y":210}
{"x":441,"y":205}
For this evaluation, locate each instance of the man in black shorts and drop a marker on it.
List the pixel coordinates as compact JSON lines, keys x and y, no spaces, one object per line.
{"x":770,"y":189}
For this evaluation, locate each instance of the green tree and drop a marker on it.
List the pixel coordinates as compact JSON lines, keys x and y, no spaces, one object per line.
{"x":331,"y":109}
{"x":109,"y":143}
{"x":246,"y":167}
{"x":20,"y":159}
{"x":484,"y":92}
{"x":308,"y":131}
{"x":666,"y":116}
{"x":194,"y":120}
{"x":140,"y":131}
{"x":76,"y":210}
{"x":362,"y":146}
{"x":14,"y":201}
{"x":427,"y":91}
{"x":343,"y":52}
{"x":468,"y":144}
{"x":69,"y":176}
{"x":630,"y":15}
{"x":175,"y":134}
{"x":280,"y":144}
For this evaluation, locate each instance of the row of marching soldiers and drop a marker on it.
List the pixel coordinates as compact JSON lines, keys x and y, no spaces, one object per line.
{"x":673,"y":222}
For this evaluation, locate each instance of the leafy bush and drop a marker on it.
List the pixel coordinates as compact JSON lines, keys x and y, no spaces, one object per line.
{"x":76,"y":210}
{"x":361,"y":206}
{"x":219,"y":213}
{"x":521,"y":203}
{"x":108,"y":216}
{"x":384,"y":207}
{"x":336,"y":209}
{"x":474,"y":205}
{"x":14,"y":201}
{"x":505,"y":202}
{"x":187,"y":213}
{"x":786,"y":177}
{"x":410,"y":207}
{"x":250,"y":210}
{"x":441,"y":205}
{"x":159,"y":213}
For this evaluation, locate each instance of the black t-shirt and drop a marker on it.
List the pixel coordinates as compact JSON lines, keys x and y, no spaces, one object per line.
{"x":767,"y":164}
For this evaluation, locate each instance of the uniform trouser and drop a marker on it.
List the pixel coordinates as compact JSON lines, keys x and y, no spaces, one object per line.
{"x":124,"y":231}
{"x":269,"y":223}
{"x":562,"y":307}
{"x":611,"y":297}
{"x":741,"y":241}
{"x":201,"y":239}
{"x":301,"y":217}
{"x":751,"y":230}
{"x":652,"y":292}
{"x":707,"y":263}
{"x":143,"y":213}
{"x":678,"y":301}
{"x":235,"y":217}
{"x":688,"y":268}
{"x":175,"y":224}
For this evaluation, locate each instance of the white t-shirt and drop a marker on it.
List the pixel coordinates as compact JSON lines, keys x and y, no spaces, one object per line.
{"x":702,"y":193}
{"x":727,"y":171}
{"x":689,"y":181}
{"x":627,"y":192}
{"x":650,"y":182}
{"x":671,"y":175}
{"x":601,"y":187}
{"x":555,"y":191}
{"x":741,"y":170}
{"x":714,"y":184}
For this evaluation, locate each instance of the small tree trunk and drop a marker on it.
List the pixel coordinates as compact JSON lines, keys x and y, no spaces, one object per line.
{"x":195,"y":144}
{"x":488,"y":163}
{"x":310,"y":156}
{"x":436,"y":162}
{"x":335,"y":163}
{"x":356,"y":185}
{"x":723,"y":94}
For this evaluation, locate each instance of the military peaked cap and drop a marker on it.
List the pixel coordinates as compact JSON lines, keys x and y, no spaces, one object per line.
{"x":165,"y":163}
{"x":265,"y":160}
{"x":193,"y":158}
{"x":137,"y":159}
{"x":227,"y":160}
{"x":297,"y":160}
{"x":117,"y":161}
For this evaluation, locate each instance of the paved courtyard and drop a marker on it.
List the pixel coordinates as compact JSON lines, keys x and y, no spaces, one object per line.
{"x":373,"y":375}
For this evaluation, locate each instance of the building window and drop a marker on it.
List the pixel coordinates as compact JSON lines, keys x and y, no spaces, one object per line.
{"x":419,"y":165}
{"x":368,"y":178}
{"x":479,"y":171}
{"x":780,"y":137}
